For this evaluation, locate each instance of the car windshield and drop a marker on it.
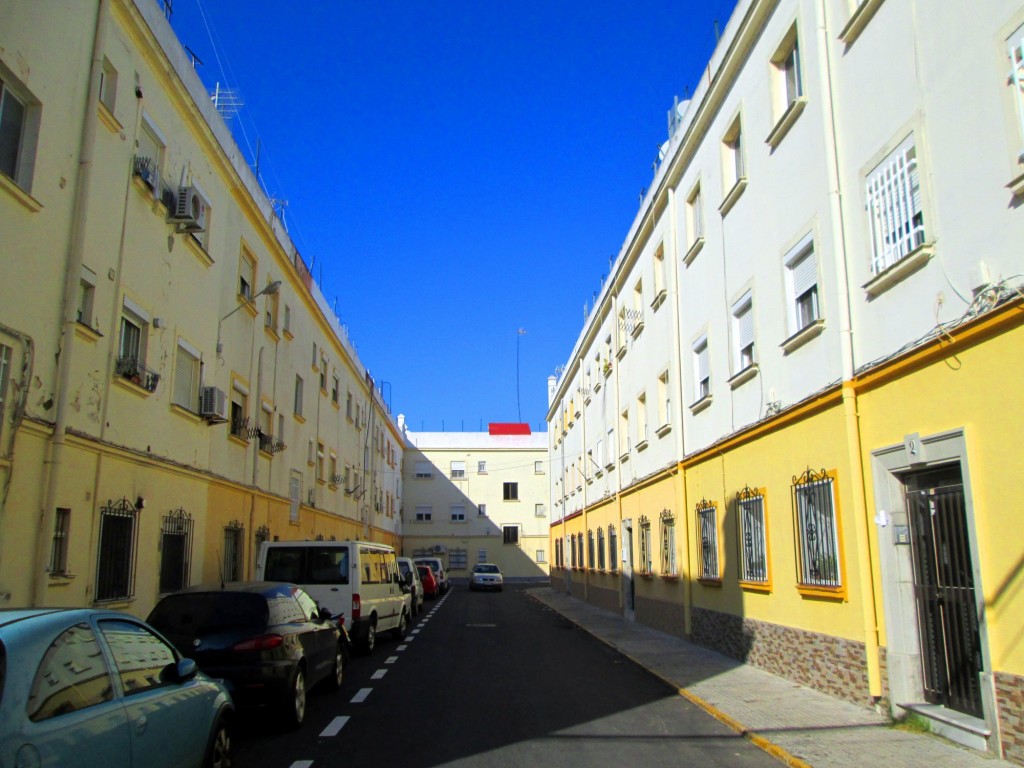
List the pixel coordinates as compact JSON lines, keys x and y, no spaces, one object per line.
{"x":201,"y":613}
{"x":486,"y":569}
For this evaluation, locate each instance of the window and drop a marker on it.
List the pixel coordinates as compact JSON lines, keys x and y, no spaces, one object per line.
{"x":734,"y":172}
{"x":668,"y":546}
{"x":348,"y":406}
{"x":320,"y":462}
{"x":743,"y":333}
{"x":5,"y":372}
{"x":813,"y":496}
{"x":510,"y":491}
{"x":641,"y":421}
{"x":246,"y":274}
{"x":141,"y":657}
{"x":458,"y":512}
{"x":108,"y":85}
{"x":175,"y":550}
{"x":86,"y":296}
{"x":579,"y":551}
{"x":802,"y":286}
{"x":613,"y":549}
{"x":149,"y":153}
{"x":115,"y":569}
{"x":895,"y":213}
{"x":539,"y":510}
{"x":600,"y":550}
{"x":701,"y":372}
{"x":694,"y":223}
{"x":458,"y":559}
{"x":271,"y":301}
{"x":538,"y":467}
{"x":298,"y":395}
{"x":239,"y":410}
{"x":753,"y":537}
{"x":424,"y":470}
{"x":510,"y":534}
{"x":323,"y":375}
{"x":233,"y":547}
{"x":458,"y":470}
{"x":294,"y":495}
{"x":335,"y":383}
{"x":73,"y":658}
{"x":659,"y":277}
{"x":624,"y":434}
{"x":481,"y":467}
{"x":59,"y":547}
{"x":287,"y":319}
{"x":646,"y":565}
{"x":591,"y":551}
{"x":132,"y":347}
{"x":541,"y":556}
{"x":787,"y":86}
{"x":664,"y":401}
{"x":186,"y":377}
{"x":424,"y":513}
{"x":19,"y":127}
{"x":315,"y":358}
{"x":1015,"y":49}
{"x":266,"y":428}
{"x":707,"y":521}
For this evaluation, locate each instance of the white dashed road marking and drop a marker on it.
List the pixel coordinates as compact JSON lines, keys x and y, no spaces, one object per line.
{"x":302,"y":764}
{"x":361,"y":695}
{"x":391,"y":659}
{"x":401,"y":647}
{"x":378,"y":674}
{"x":335,"y":726}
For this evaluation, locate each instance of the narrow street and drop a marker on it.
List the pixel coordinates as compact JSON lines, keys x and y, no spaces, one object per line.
{"x":494,"y":679}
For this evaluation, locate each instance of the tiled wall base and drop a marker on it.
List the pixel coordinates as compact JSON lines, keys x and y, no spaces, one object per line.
{"x":1010,"y":701}
{"x":661,"y":615}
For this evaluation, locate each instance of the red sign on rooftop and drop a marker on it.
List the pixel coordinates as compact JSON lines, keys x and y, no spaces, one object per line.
{"x":508,"y":429}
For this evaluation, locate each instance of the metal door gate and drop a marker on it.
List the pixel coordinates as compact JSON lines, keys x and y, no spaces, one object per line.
{"x":944,"y":589}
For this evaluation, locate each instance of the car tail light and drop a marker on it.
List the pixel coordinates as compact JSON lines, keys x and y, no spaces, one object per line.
{"x":261,"y":643}
{"x":357,"y":606}
{"x":341,"y":620}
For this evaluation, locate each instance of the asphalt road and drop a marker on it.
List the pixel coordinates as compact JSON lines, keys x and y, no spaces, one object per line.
{"x":495,"y":680}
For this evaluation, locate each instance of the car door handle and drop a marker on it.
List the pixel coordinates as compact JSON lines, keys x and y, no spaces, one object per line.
{"x":140,"y":724}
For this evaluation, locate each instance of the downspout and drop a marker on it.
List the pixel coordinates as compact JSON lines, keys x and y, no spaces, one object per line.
{"x":66,"y":337}
{"x":865,"y":569}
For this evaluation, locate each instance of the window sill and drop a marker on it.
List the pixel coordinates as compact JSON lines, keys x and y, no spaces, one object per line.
{"x":288,"y":334}
{"x":663,"y":430}
{"x":743,"y":376}
{"x":136,"y":389}
{"x":902,"y":269}
{"x":1016,"y":186}
{"x":828,"y":593}
{"x":107,"y":118}
{"x":619,"y":355}
{"x":299,"y":418}
{"x":87,"y":333}
{"x":644,"y":574}
{"x":337,"y":405}
{"x":859,"y":20}
{"x":271,"y":333}
{"x":238,"y":440}
{"x":10,"y":186}
{"x":587,"y":401}
{"x":638,"y":329}
{"x":61,"y":579}
{"x":670,"y":577}
{"x":641,"y":446}
{"x":793,"y":111}
{"x":716,"y":582}
{"x":756,"y":586}
{"x":184,"y":412}
{"x":694,"y":249}
{"x":802,"y":336}
{"x":733,"y":196}
{"x":659,"y":299}
{"x":623,"y":458}
{"x":701,"y":404}
{"x":149,"y":194}
{"x":597,"y":387}
{"x":204,"y":258}
{"x":247,"y":305}
{"x":610,"y":467}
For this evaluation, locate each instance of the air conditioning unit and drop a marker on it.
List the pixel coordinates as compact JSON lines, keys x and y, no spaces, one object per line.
{"x":213,"y":405}
{"x":189,"y":210}
{"x":439,"y":549}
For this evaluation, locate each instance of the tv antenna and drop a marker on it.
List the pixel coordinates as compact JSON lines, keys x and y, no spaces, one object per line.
{"x":226,"y":101}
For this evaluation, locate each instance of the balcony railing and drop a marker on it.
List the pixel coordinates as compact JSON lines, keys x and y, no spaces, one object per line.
{"x":135,"y":371}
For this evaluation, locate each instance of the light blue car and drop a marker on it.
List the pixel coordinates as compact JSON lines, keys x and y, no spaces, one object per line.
{"x":83,"y":687}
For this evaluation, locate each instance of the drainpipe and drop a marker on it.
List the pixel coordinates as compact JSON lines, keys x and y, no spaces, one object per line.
{"x":66,"y":337}
{"x":865,"y":569}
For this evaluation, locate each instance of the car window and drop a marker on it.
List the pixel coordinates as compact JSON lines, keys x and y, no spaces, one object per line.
{"x":307,"y":604}
{"x":327,"y":565}
{"x":285,"y":609}
{"x":73,"y":675}
{"x":201,"y":613}
{"x":284,"y":564}
{"x":143,"y":660}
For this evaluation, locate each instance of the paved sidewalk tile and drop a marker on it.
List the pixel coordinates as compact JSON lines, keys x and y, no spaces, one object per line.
{"x":796,"y":723}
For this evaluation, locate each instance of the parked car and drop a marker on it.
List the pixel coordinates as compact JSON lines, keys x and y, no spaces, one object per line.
{"x":486,"y":576}
{"x":76,"y":685}
{"x":429,"y":580}
{"x":411,"y":576}
{"x":267,"y":640}
{"x":359,"y":579}
{"x":442,"y":577}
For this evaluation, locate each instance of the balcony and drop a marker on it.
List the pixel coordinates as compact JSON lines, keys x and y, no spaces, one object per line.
{"x":134,"y":370}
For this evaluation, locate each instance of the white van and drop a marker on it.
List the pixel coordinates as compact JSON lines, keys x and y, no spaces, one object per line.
{"x":357,"y":579}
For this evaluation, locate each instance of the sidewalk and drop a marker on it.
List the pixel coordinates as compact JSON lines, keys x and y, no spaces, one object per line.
{"x":798,"y":725}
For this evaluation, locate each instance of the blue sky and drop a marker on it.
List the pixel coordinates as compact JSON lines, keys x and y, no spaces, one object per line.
{"x":456,"y":170}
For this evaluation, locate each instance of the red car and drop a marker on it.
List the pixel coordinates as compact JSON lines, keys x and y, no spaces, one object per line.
{"x":430,"y":587}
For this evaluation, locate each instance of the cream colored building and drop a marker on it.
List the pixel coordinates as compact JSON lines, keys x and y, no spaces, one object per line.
{"x":174,"y":386}
{"x":478,"y":497}
{"x":801,"y":379}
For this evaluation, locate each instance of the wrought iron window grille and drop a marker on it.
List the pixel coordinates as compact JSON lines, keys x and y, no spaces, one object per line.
{"x":135,"y":371}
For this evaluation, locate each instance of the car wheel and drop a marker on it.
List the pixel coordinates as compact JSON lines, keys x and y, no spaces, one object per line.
{"x":295,"y":701}
{"x":218,"y":754}
{"x":336,"y":677}
{"x":371,"y":638}
{"x":403,"y":626}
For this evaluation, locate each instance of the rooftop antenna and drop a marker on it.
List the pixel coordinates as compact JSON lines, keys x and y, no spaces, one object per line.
{"x":226,"y":101}
{"x":169,"y":10}
{"x":192,"y":55}
{"x":717,"y":35}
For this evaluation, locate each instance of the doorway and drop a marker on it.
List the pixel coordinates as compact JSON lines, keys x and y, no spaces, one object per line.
{"x":628,"y":585}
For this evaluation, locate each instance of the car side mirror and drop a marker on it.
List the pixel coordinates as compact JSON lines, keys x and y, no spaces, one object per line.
{"x":185,"y":670}
{"x":324,"y":614}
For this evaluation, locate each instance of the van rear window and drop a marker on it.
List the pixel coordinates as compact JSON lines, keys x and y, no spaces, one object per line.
{"x":307,"y":565}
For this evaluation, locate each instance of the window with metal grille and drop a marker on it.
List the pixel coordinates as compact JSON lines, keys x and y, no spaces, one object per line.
{"x":753,"y":536}
{"x":814,"y":502}
{"x":579,"y":551}
{"x":707,"y":518}
{"x":646,"y":556}
{"x":510,"y":534}
{"x":559,"y":562}
{"x":115,"y":567}
{"x":458,"y":559}
{"x":59,"y":547}
{"x":600,"y":549}
{"x":175,"y":550}
{"x":591,"y":550}
{"x":668,"y":545}
{"x":233,"y":549}
{"x":743,"y":333}
{"x":895,"y":212}
{"x":613,"y":550}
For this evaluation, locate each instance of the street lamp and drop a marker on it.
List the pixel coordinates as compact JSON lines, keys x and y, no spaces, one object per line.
{"x":270,"y":289}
